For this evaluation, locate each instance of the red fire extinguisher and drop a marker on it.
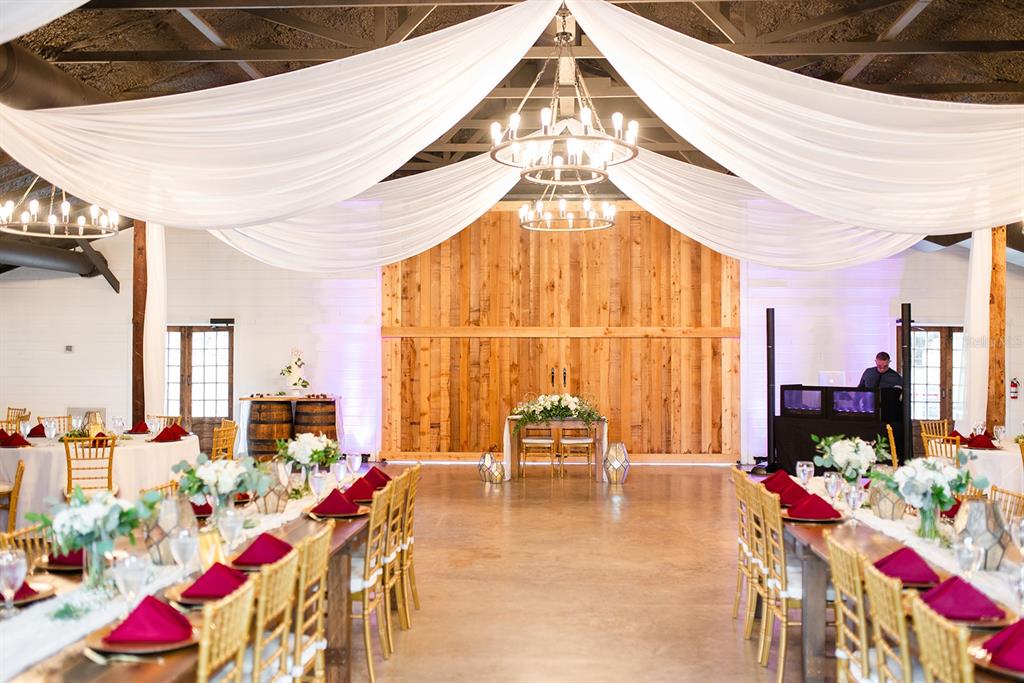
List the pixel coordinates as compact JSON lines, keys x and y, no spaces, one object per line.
{"x":1014,"y":388}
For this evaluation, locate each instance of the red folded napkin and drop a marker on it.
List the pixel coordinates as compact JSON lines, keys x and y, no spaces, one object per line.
{"x":26,"y":591}
{"x":178,"y":429}
{"x":792,"y":494}
{"x":73,"y":558}
{"x":954,"y":598}
{"x":778,"y":481}
{"x":152,"y":622}
{"x":360,"y":491}
{"x":907,"y":565}
{"x":140,"y":428}
{"x":814,"y":507}
{"x":336,"y":503}
{"x":217,"y":582}
{"x":981,"y":441}
{"x":951,"y":512}
{"x":378,"y":477}
{"x":166,"y":435}
{"x":15,"y":440}
{"x":1007,"y":647}
{"x":3,"y":436}
{"x":96,"y":438}
{"x":204,"y":510}
{"x":38,"y":430}
{"x":264,"y":550}
{"x":958,"y":434}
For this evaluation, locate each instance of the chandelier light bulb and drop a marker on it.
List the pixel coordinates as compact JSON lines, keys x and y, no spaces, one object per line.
{"x":103,"y":221}
{"x":8,"y":210}
{"x":617,"y":123}
{"x":496,"y":132}
{"x":513,"y":123}
{"x":65,"y":210}
{"x":52,"y":220}
{"x":25,"y":217}
{"x":545,"y":119}
{"x":561,"y":207}
{"x":515,"y":150}
{"x":586,"y":206}
{"x":539,"y":206}
{"x":632,"y":132}
{"x":94,"y":212}
{"x":33,"y":209}
{"x":114,"y":217}
{"x":587,"y":119}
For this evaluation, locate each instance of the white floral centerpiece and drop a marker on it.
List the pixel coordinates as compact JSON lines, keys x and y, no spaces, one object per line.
{"x":294,"y":372}
{"x":306,"y":452}
{"x":555,"y":407}
{"x":930,"y":485}
{"x":217,"y":482}
{"x":851,"y":457}
{"x":92,"y":524}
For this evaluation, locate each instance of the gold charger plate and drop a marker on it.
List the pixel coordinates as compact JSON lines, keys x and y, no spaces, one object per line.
{"x":363,"y":510}
{"x":982,"y":659}
{"x":44,"y":565}
{"x":95,"y":641}
{"x":43,"y":591}
{"x":804,"y":520}
{"x":1008,"y":618}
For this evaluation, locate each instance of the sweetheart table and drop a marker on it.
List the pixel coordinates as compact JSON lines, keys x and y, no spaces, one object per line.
{"x":511,"y":444}
{"x":138,"y":464}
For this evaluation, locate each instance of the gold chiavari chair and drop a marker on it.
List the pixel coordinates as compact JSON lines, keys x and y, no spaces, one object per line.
{"x":394,"y":587}
{"x":408,"y":568}
{"x":576,"y":442}
{"x":743,"y":556}
{"x":934,"y":428}
{"x":32,"y":540}
{"x":90,"y":464}
{"x":942,"y":645}
{"x":536,"y":442}
{"x":758,"y":589}
{"x":367,"y":581}
{"x":168,"y":489}
{"x":309,"y":632}
{"x":225,"y":422}
{"x":889,"y":628}
{"x":223,"y":443}
{"x":9,"y":493}
{"x":942,"y":446}
{"x":19,"y":415}
{"x":10,"y":426}
{"x":63,"y":422}
{"x":1010,"y":503}
{"x":853,"y":656}
{"x":272,"y":619}
{"x":892,"y":446}
{"x":163,"y":421}
{"x":225,"y":635}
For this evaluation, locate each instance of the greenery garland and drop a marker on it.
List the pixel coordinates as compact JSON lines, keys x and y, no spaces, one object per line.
{"x":555,"y":407}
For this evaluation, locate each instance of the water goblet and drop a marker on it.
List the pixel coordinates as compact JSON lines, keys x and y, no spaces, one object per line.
{"x":130,"y":574}
{"x":76,"y":422}
{"x":184,"y":546}
{"x":50,"y":428}
{"x":999,"y":432}
{"x":854,"y":496}
{"x":968,"y":556}
{"x":353,"y":461}
{"x":338,"y":472}
{"x":118,"y":424}
{"x":317,"y":481}
{"x":150,"y":425}
{"x":833,"y":484}
{"x":230,"y":523}
{"x":804,"y":471}
{"x":13,"y":568}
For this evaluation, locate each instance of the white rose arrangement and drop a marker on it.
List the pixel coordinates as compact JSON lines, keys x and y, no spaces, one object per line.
{"x":555,"y":407}
{"x":931,"y":486}
{"x":220,"y":480}
{"x":99,"y":519}
{"x":852,"y":457}
{"x":308,"y":450}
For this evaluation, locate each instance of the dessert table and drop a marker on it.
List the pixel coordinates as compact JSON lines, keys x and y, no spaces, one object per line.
{"x":511,"y":444}
{"x":138,"y":464}
{"x":1002,"y":466}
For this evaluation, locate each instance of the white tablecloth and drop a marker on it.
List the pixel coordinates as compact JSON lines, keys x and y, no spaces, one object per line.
{"x":138,"y":464}
{"x":1002,"y":467}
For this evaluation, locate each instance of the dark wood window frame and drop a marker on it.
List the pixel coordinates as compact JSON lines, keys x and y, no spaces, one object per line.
{"x":945,"y":363}
{"x":186,"y":332}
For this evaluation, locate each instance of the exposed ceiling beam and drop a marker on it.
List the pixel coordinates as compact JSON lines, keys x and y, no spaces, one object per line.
{"x":720,"y":21}
{"x":909,"y":13}
{"x":825,"y":20}
{"x":291,"y":20}
{"x":416,"y":16}
{"x":995,"y":88}
{"x":211,"y":34}
{"x":100,"y":263}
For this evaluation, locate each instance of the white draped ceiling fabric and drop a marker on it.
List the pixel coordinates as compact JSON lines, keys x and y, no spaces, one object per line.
{"x":857,"y":157}
{"x":18,"y":17}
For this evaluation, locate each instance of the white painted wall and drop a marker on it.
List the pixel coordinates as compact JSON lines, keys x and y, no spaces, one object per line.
{"x":839,"y":320}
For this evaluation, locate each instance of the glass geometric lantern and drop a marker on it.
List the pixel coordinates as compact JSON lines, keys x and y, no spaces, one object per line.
{"x":491,"y":469}
{"x":616,"y":463}
{"x":172,"y":514}
{"x":883,"y":502}
{"x":982,"y":522}
{"x":274,"y":500}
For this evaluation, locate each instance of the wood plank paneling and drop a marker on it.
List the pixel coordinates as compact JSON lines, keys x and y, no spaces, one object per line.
{"x":640,"y":319}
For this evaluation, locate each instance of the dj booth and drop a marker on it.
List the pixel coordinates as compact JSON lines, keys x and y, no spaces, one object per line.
{"x":829,"y":410}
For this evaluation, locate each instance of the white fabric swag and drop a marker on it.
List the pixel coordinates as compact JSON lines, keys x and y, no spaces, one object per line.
{"x":266,"y":150}
{"x":974,"y":368}
{"x":18,"y":17}
{"x":857,"y":157}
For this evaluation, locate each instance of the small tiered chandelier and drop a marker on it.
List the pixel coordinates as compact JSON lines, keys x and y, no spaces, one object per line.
{"x":58,"y":221}
{"x":565,"y":152}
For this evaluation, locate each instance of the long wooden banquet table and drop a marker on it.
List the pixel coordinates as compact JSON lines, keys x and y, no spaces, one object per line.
{"x":70,"y":665}
{"x":812,"y":550}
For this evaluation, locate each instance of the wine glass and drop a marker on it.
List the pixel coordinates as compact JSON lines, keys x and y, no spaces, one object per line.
{"x":338,"y":471}
{"x":13,"y":568}
{"x":230,"y":523}
{"x":118,"y":424}
{"x":804,"y":471}
{"x":50,"y":428}
{"x":353,"y":461}
{"x":968,"y":556}
{"x":150,"y":425}
{"x":76,"y":422}
{"x":130,"y":574}
{"x":832,"y":485}
{"x":184,"y":546}
{"x":999,"y":432}
{"x":854,"y":496}
{"x":317,"y":481}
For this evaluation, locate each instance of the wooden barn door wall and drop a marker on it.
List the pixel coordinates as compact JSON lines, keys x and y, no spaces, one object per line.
{"x":639,"y":319}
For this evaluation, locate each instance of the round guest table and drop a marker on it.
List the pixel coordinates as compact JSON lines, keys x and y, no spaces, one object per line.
{"x":1001,"y":466}
{"x":138,"y":464}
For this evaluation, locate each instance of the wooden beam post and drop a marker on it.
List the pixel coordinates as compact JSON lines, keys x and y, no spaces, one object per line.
{"x":996,"y":410}
{"x":139,"y":287}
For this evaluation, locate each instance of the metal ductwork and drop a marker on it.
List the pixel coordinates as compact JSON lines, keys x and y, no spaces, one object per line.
{"x":27,"y":81}
{"x":25,"y":255}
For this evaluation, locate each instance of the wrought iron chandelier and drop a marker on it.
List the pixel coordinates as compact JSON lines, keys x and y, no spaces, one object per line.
{"x":565,"y":152}
{"x":58,"y":221}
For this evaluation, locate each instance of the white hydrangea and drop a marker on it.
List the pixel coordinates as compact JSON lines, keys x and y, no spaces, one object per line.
{"x":220,"y":477}
{"x":852,"y":455}
{"x":81,"y":520}
{"x":919,"y":477}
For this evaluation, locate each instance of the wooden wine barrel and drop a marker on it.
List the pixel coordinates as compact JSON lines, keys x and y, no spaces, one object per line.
{"x":268,"y":422}
{"x":316,"y":417}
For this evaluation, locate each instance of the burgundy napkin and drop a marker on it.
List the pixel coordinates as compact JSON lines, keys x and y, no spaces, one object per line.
{"x":203,"y":510}
{"x":3,"y":436}
{"x":166,"y":435}
{"x":96,"y":439}
{"x":177,"y":429}
{"x":360,"y":491}
{"x":792,"y":494}
{"x":958,"y":434}
{"x":814,"y":507}
{"x":264,"y":550}
{"x":956,"y":599}
{"x":152,"y":622}
{"x":336,"y":503}
{"x":26,"y":591}
{"x":1007,"y":647}
{"x":74,"y":558}
{"x":777,"y":482}
{"x":377,"y":477}
{"x":980,"y":441}
{"x":907,"y":565}
{"x":951,"y":512}
{"x":38,"y":430}
{"x":140,"y":428}
{"x":217,"y":582}
{"x":15,"y":440}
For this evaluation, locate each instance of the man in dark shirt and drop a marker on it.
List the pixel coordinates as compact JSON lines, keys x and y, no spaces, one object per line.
{"x":880,"y":376}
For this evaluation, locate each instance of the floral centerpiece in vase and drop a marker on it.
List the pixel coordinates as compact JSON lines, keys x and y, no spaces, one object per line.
{"x":217,"y":482}
{"x":929,"y":485}
{"x":92,"y":524}
{"x":555,"y":407}
{"x":851,"y":457}
{"x":295,"y":374}
{"x":306,"y":452}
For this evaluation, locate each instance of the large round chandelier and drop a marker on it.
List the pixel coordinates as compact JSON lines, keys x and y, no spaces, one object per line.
{"x":58,"y":221}
{"x":561,"y":214}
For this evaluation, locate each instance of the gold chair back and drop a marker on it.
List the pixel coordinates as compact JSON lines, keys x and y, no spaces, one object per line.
{"x":90,"y":463}
{"x":852,"y":648}
{"x":942,"y":645}
{"x":163,"y":421}
{"x":367,"y":585}
{"x":10,"y":426}
{"x":739,"y":479}
{"x":311,"y":603}
{"x":775,"y":547}
{"x":934,"y":428}
{"x":942,"y":446}
{"x":63,"y":422}
{"x":1010,"y":503}
{"x":394,"y":587}
{"x":272,"y":620}
{"x":888,"y":626}
{"x":223,"y":442}
{"x":892,"y":446}
{"x":225,"y":635}
{"x":168,"y":489}
{"x":10,"y":498}
{"x":408,"y":539}
{"x":536,"y":442}
{"x":19,"y":415}
{"x":32,"y":540}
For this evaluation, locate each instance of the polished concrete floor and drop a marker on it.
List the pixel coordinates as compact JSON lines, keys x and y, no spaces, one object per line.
{"x":568,"y":581}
